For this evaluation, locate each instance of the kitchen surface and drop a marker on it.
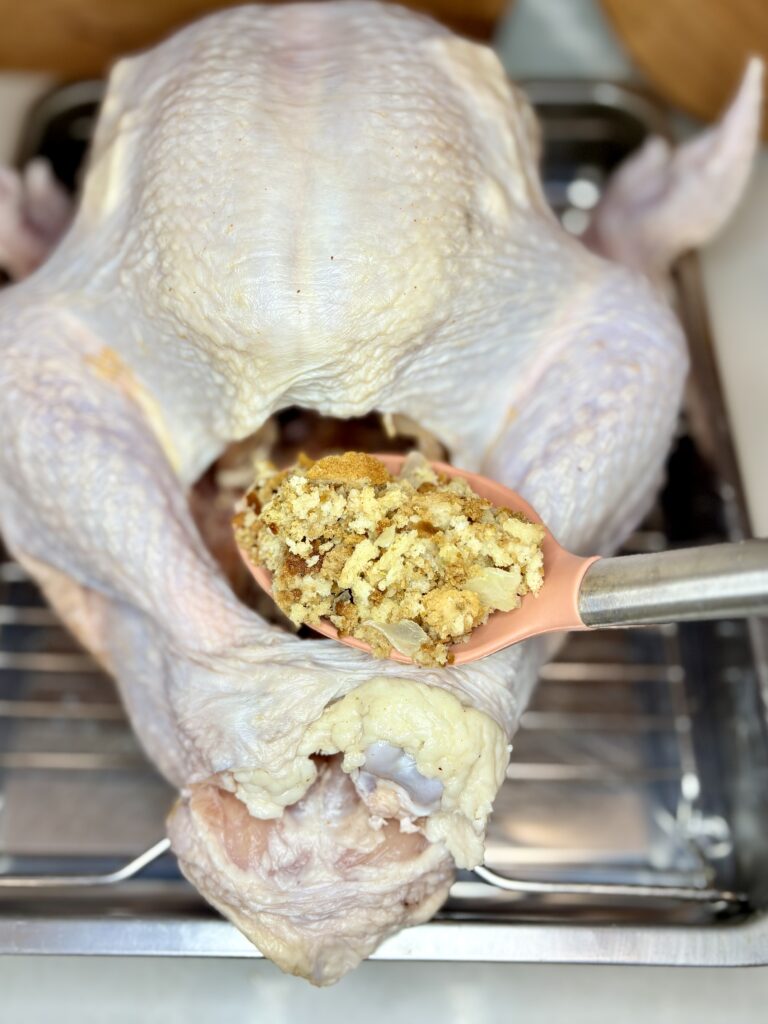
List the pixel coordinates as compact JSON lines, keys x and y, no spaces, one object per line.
{"x":182,"y":991}
{"x":538,"y":40}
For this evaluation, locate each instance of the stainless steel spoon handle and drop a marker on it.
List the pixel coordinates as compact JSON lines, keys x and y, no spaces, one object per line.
{"x":719,"y":581}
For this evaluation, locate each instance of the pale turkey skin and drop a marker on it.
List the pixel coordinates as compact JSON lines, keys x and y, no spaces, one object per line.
{"x":384,"y":879}
{"x":334,"y":206}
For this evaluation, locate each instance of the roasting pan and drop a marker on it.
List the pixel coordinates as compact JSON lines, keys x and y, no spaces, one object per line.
{"x":633,"y":827}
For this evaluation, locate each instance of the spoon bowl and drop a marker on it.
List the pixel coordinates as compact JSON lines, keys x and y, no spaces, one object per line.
{"x":553,"y":609}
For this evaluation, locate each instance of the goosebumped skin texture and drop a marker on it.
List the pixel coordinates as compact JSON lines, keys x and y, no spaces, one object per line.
{"x":335,"y":206}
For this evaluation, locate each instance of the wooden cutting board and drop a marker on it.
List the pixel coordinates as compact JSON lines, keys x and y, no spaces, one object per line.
{"x":693,"y":51}
{"x":77,"y":38}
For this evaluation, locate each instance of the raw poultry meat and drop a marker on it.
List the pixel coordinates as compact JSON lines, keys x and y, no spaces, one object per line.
{"x":336,"y":207}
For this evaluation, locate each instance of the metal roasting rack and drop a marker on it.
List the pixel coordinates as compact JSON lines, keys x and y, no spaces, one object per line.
{"x":633,"y":826}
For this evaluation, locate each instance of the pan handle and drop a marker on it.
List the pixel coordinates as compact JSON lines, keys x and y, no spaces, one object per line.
{"x":720,"y":581}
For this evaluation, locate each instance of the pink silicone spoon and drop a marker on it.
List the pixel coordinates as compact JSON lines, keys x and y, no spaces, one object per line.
{"x":717,"y":581}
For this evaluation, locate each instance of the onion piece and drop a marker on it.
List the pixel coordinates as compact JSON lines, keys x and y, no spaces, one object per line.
{"x":417,"y":470}
{"x":405,"y":636}
{"x":386,"y":537}
{"x":497,"y":588}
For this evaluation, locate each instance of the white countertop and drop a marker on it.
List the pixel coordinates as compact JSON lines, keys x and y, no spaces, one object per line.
{"x":133,"y":990}
{"x":735,"y":271}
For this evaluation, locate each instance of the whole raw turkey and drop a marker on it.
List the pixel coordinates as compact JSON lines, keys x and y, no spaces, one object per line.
{"x":333,"y":206}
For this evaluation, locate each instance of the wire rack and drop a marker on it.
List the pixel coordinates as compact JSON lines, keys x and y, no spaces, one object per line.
{"x":611,"y":719}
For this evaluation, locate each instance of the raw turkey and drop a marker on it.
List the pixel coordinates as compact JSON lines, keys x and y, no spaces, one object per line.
{"x":336,"y":207}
